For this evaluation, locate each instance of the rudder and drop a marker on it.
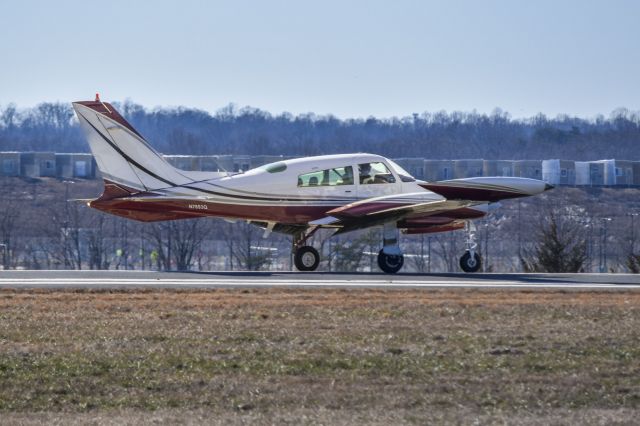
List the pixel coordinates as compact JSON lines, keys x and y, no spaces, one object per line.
{"x":122,"y":154}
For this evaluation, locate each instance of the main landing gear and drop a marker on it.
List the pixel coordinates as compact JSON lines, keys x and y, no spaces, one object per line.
{"x":306,"y":258}
{"x":470,"y":260}
{"x":390,"y":263}
{"x":390,"y":258}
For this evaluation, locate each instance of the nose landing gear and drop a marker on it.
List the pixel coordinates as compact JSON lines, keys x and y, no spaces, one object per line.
{"x":471,"y":260}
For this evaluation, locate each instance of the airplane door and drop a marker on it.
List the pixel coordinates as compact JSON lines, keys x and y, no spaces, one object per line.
{"x":375,"y":180}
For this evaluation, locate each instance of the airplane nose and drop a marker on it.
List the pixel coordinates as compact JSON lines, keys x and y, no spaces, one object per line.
{"x":548,"y":187}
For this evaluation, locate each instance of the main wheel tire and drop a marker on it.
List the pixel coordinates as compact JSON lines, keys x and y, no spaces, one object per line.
{"x":390,"y":263}
{"x":469,"y":263}
{"x":306,"y":259}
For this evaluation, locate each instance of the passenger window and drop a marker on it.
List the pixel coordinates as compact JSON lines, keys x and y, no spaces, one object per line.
{"x":329,"y":177}
{"x":372,"y":173}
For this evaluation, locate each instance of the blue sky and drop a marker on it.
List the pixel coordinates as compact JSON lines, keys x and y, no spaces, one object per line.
{"x":347,"y":58}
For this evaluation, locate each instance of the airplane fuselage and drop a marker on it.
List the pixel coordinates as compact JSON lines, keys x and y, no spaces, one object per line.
{"x":281,"y":192}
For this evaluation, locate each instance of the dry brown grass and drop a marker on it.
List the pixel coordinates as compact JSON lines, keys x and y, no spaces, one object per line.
{"x":319,"y":356}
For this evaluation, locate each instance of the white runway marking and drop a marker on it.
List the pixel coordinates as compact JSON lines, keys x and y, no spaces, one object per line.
{"x":279,"y":282}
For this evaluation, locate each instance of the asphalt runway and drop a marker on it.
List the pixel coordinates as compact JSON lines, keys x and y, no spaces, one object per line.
{"x":148,"y":279}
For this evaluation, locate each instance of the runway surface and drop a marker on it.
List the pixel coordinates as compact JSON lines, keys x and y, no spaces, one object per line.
{"x":147,"y":279}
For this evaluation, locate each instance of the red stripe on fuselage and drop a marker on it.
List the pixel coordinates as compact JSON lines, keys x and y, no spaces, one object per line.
{"x":178,"y":209}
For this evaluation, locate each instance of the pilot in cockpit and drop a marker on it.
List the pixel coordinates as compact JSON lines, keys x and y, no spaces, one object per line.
{"x":365,"y":174}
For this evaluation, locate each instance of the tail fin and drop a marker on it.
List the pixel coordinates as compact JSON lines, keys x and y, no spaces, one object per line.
{"x":123,"y":156}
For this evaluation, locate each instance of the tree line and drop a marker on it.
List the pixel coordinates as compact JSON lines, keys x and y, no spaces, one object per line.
{"x":251,"y":131}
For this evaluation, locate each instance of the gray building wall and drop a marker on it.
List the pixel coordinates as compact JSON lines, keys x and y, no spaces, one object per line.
{"x":624,"y":172}
{"x":75,"y":165}
{"x":10,"y":164}
{"x":596,"y":173}
{"x":38,"y":164}
{"x":467,"y":168}
{"x":636,"y":173}
{"x":561,"y":172}
{"x":438,"y":170}
{"x":531,"y":169}
{"x":82,"y":166}
{"x":490,"y":167}
{"x":567,"y":173}
{"x":415,"y":166}
{"x":498,"y":168}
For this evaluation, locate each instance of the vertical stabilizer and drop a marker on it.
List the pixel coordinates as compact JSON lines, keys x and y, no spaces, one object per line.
{"x":123,"y":156}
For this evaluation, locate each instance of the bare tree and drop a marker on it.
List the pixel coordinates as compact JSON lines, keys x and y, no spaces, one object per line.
{"x":175,"y":242}
{"x":187,"y":237}
{"x":9,"y":213}
{"x":247,"y":247}
{"x":420,"y":259}
{"x":159,"y":237}
{"x":349,"y":254}
{"x":73,"y":215}
{"x":448,"y":247}
{"x":97,"y":243}
{"x":63,"y":232}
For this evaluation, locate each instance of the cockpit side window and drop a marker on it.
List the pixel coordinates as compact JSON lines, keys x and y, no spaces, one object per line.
{"x":404,"y":175}
{"x":329,"y":177}
{"x":374,"y":173}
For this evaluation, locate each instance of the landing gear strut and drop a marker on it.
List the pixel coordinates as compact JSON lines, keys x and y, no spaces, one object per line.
{"x":470,"y":260}
{"x":390,"y":258}
{"x":306,"y":258}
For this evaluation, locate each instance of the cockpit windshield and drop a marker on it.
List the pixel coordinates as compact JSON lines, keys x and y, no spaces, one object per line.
{"x":404,"y":175}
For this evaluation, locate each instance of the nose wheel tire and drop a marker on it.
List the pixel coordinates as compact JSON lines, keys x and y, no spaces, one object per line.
{"x":390,"y":263}
{"x":306,"y":259}
{"x":470,"y":263}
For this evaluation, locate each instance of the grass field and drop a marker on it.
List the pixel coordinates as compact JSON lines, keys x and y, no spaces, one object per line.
{"x":319,"y":356}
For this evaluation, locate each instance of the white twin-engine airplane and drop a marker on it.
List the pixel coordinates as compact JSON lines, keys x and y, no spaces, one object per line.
{"x":297,"y":197}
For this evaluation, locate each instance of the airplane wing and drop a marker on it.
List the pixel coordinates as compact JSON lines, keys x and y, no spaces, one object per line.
{"x":390,"y":204}
{"x":443,"y":207}
{"x":378,"y":210}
